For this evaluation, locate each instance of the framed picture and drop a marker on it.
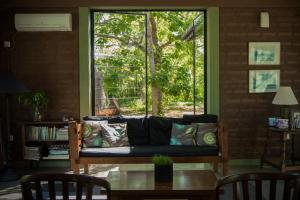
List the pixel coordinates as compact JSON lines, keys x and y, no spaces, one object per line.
{"x":264,"y":53}
{"x":295,"y":117}
{"x":261,"y":81}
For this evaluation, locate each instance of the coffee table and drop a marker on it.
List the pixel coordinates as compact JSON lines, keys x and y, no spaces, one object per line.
{"x":187,"y":184}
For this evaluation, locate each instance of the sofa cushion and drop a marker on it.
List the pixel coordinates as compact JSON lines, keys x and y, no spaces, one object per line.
{"x":101,"y":118}
{"x":160,"y":129}
{"x":204,"y":118}
{"x":149,"y":151}
{"x":114,"y":135}
{"x":183,"y":134}
{"x":136,"y":130}
{"x":206,"y":134}
{"x":91,"y":135}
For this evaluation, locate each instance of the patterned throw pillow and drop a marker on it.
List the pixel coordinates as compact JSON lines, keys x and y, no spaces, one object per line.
{"x":91,"y":135}
{"x":183,"y":134}
{"x":114,"y":135}
{"x":206,"y":134}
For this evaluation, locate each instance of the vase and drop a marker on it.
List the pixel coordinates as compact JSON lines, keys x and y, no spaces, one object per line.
{"x":37,"y":115}
{"x":163,"y":173}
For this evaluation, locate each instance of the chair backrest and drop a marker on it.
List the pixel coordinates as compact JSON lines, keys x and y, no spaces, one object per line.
{"x":264,"y":186}
{"x":46,"y":186}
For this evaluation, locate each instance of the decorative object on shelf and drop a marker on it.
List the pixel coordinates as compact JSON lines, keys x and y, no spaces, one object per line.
{"x":295,"y":119}
{"x":261,"y":81}
{"x":9,"y":85}
{"x":282,"y":123}
{"x":38,"y":100}
{"x":285,"y":98}
{"x":272,"y":121}
{"x":264,"y":20}
{"x":264,"y":53}
{"x":163,"y":168}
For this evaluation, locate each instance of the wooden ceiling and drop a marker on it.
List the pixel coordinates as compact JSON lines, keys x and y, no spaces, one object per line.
{"x":149,"y":4}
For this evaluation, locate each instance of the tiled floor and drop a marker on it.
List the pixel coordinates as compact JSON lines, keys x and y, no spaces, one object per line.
{"x":11,"y":190}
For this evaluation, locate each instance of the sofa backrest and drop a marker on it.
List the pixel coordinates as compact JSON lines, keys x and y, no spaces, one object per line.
{"x":159,"y":129}
{"x":153,"y":130}
{"x":204,"y":118}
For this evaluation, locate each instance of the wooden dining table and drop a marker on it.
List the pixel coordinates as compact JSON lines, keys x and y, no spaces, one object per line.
{"x":186,"y":184}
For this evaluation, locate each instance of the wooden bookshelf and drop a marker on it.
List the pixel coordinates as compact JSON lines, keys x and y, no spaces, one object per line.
{"x":43,"y":137}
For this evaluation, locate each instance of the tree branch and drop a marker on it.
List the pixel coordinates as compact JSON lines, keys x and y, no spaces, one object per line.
{"x":123,"y":41}
{"x":166,"y":44}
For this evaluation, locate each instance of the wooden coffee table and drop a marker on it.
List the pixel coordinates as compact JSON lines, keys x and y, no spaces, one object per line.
{"x":137,"y":185}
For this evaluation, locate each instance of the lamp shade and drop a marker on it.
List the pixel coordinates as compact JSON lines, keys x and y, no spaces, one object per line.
{"x":285,"y":96}
{"x":10,"y":85}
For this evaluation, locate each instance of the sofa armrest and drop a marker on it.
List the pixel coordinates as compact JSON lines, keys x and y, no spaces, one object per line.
{"x":75,"y":139}
{"x":223,"y":140}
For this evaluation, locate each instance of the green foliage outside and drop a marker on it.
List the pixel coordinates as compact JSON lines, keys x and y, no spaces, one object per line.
{"x":119,"y":41}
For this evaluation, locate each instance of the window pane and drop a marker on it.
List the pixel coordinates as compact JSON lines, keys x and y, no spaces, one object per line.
{"x":119,"y":68}
{"x":172,"y":90}
{"x":175,"y":57}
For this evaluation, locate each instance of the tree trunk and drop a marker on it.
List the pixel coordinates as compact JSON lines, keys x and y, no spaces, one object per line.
{"x":154,"y":65}
{"x":101,"y":97}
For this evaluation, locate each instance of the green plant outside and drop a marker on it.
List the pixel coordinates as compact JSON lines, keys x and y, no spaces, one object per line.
{"x":212,"y":58}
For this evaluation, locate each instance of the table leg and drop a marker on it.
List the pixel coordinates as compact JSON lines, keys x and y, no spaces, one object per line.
{"x":293,"y":150}
{"x":283,"y":163}
{"x":266,"y":146}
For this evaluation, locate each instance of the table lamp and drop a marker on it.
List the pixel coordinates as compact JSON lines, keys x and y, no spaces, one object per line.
{"x":285,"y":97}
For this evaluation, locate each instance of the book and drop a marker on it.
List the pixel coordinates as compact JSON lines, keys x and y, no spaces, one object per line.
{"x":32,"y":153}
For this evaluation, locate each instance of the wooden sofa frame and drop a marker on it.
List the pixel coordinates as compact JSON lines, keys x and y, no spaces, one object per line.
{"x":75,"y":143}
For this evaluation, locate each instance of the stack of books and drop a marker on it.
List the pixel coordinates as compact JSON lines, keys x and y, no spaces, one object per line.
{"x":56,"y":151}
{"x":34,"y":133}
{"x":33,"y":153}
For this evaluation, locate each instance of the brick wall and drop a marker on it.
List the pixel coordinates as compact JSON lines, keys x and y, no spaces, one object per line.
{"x":246,"y":114}
{"x":42,"y":60}
{"x":50,"y":61}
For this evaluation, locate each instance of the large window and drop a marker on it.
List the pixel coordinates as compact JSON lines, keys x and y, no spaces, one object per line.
{"x":148,"y":62}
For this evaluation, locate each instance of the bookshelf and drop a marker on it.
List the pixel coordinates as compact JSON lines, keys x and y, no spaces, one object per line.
{"x":46,"y":140}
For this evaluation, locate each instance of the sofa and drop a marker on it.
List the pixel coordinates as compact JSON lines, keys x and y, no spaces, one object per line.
{"x":148,"y":136}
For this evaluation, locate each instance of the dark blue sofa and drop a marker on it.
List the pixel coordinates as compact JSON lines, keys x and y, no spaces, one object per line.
{"x":148,"y":136}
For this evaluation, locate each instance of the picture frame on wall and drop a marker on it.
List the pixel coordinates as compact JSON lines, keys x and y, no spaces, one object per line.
{"x":295,"y":117}
{"x":262,"y":81}
{"x":264,"y":53}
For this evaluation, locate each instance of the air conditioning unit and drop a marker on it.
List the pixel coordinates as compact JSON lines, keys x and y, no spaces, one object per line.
{"x":43,"y":22}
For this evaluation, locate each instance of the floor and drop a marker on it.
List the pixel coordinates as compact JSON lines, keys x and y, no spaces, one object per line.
{"x":11,"y":190}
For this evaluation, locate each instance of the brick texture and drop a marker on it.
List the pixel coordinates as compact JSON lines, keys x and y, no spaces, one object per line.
{"x":246,"y":114}
{"x":49,"y":61}
{"x":42,"y":60}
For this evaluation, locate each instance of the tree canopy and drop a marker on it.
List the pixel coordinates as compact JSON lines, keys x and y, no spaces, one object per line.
{"x":120,"y":46}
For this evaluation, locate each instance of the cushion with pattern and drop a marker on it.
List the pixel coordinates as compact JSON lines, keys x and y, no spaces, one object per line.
{"x":114,"y":135}
{"x":183,"y":134}
{"x":91,"y":135}
{"x":206,"y":134}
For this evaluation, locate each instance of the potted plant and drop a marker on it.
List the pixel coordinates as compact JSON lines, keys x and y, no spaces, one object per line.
{"x":163,"y":168}
{"x":38,"y":100}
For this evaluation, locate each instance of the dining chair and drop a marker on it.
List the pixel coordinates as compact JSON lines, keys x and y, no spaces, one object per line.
{"x":259,"y":186}
{"x":64,"y":186}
